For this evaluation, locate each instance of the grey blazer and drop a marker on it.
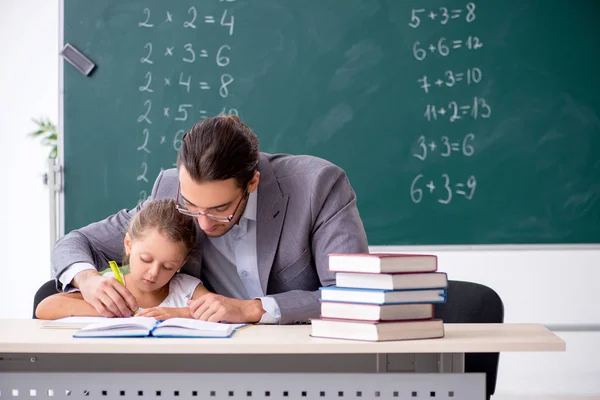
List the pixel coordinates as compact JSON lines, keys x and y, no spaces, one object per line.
{"x":306,"y":210}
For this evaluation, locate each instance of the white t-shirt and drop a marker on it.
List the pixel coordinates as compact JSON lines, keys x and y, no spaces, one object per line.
{"x":181,"y":289}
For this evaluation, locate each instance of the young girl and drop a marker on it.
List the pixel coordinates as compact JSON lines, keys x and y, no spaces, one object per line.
{"x":157,"y":245}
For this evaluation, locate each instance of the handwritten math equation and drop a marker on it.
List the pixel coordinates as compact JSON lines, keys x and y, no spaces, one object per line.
{"x":442,"y":188}
{"x":213,"y":74}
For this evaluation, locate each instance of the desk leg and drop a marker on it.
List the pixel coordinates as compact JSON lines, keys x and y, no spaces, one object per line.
{"x":423,"y":362}
{"x":451,"y":362}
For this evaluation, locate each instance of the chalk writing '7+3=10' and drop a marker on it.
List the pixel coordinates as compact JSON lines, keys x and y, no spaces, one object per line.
{"x":450,"y":79}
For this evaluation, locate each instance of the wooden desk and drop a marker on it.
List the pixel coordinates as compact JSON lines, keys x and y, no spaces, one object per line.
{"x":283,"y":358}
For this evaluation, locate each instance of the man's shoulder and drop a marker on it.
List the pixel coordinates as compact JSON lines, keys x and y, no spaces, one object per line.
{"x":166,"y":184}
{"x":296,"y":166}
{"x":170,"y":173}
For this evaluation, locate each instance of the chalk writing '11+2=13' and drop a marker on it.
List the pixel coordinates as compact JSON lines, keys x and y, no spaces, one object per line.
{"x":442,"y":15}
{"x":445,"y":46}
{"x":450,"y":79}
{"x":444,"y":189}
{"x":478,"y":109}
{"x":445,"y":148}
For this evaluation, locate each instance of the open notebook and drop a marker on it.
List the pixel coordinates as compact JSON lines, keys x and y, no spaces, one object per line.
{"x":150,"y":327}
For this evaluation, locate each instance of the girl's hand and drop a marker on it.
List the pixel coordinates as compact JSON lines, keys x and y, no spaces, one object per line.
{"x":164,"y":313}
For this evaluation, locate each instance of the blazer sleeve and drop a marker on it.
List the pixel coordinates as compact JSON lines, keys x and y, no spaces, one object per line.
{"x":337,"y":228}
{"x":97,"y":242}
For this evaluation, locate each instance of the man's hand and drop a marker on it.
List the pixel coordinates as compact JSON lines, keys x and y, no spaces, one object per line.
{"x":165,"y":312}
{"x":107,"y":296}
{"x":216,"y":308}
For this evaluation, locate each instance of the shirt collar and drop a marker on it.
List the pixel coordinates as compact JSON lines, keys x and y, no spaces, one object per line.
{"x":250,"y":210}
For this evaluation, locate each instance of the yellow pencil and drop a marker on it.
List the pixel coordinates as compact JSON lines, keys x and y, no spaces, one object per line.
{"x":117,"y":272}
{"x":115,"y":269}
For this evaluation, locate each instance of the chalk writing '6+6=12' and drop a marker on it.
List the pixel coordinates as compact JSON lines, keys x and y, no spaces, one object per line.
{"x":445,"y":191}
{"x":444,"y":46}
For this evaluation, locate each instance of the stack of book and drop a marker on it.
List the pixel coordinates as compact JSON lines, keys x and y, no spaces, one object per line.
{"x":379,"y":297}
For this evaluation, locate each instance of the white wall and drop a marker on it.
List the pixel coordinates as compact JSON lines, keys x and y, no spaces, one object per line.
{"x":28,"y":89}
{"x":554,"y":287}
{"x":547,"y":286}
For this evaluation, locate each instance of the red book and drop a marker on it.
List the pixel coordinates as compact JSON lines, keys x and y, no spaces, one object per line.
{"x":379,"y":263}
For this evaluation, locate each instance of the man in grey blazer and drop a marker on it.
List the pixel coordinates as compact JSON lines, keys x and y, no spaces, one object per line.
{"x":266,"y":225}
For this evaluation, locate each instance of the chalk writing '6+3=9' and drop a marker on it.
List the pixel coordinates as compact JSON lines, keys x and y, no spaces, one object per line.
{"x":445,"y":189}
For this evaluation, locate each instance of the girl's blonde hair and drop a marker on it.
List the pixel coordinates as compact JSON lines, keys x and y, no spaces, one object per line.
{"x":163,"y":216}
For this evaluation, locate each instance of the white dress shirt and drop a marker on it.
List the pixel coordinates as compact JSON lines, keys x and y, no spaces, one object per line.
{"x":229,"y":263}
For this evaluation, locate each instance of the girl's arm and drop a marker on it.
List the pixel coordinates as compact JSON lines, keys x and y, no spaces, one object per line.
{"x":62,"y":305}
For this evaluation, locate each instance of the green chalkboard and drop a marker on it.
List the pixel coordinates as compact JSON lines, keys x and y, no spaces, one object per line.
{"x":457,"y":122}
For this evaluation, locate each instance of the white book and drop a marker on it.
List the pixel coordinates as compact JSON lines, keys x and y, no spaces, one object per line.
{"x":147,"y":326}
{"x":380,"y":296}
{"x":382,"y":262}
{"x":71,"y":322}
{"x":376,"y":312}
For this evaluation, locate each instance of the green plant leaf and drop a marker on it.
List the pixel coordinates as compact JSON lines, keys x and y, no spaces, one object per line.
{"x":48,"y":135}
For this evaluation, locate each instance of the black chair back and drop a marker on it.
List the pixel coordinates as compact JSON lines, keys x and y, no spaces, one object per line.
{"x":47,"y":289}
{"x":470,"y":303}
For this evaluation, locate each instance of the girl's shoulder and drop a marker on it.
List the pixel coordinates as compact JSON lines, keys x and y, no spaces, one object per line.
{"x":184,"y":283}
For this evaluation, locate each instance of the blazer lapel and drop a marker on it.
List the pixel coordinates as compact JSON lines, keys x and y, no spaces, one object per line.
{"x":271,"y":208}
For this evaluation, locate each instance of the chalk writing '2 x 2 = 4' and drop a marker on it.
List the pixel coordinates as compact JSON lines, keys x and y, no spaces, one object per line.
{"x":227,"y":20}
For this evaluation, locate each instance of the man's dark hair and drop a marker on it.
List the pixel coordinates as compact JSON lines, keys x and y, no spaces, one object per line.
{"x":219,"y":148}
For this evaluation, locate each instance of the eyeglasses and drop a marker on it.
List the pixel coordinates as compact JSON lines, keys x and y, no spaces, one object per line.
{"x":219,"y":218}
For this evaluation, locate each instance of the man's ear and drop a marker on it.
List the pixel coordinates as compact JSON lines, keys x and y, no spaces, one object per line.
{"x":127,"y":243}
{"x":253,"y":185}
